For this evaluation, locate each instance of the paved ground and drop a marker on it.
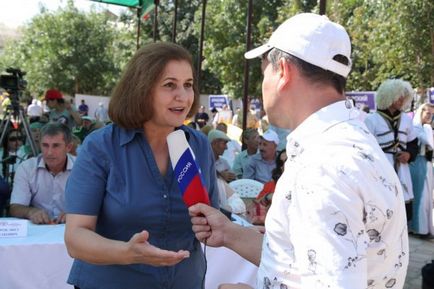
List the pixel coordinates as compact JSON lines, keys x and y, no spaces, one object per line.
{"x":421,"y":253}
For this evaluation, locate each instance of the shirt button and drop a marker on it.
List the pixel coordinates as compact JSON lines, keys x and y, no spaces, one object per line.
{"x":165,"y":196}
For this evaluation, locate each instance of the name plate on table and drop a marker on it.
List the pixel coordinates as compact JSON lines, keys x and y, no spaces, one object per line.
{"x":13,"y":228}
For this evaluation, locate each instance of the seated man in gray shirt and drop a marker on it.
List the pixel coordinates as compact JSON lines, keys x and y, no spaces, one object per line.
{"x":39,"y":185}
{"x":260,"y":166}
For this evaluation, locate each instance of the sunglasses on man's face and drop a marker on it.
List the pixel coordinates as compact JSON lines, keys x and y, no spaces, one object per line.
{"x":14,"y":138}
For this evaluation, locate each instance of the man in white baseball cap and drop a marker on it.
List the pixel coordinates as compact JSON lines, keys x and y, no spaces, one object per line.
{"x":218,"y":141}
{"x":261,"y":165}
{"x":271,"y":136}
{"x":337,"y":219}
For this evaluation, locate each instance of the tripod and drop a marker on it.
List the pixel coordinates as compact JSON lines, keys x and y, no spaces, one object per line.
{"x":17,"y":112}
{"x":7,"y":182}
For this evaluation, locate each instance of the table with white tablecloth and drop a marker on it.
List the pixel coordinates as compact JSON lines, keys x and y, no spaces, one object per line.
{"x":40,"y":260}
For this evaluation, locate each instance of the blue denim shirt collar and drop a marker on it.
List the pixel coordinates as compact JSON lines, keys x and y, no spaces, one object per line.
{"x":127,"y":135}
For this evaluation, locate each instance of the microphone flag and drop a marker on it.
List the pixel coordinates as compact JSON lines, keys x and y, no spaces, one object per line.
{"x":186,"y":170}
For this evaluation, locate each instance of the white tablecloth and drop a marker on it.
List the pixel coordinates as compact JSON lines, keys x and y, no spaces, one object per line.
{"x":226,"y":266}
{"x":40,"y":261}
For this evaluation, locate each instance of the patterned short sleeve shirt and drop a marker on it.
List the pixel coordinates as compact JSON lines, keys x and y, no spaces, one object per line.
{"x":337,"y":218}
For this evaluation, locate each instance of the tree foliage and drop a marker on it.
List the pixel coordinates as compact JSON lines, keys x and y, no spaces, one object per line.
{"x":81,"y":52}
{"x":391,"y":39}
{"x":188,"y":19}
{"x":225,"y":42}
{"x":66,"y":49}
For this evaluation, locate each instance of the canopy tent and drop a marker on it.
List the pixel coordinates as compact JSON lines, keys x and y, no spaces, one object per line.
{"x":129,"y":3}
{"x":143,"y":7}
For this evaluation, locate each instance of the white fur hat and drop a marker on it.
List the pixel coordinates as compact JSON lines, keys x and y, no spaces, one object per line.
{"x":391,"y":90}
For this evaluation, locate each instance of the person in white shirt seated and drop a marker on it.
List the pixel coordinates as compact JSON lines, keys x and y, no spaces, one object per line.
{"x":232,"y":146}
{"x":39,"y":184}
{"x":218,"y":141}
{"x":228,"y":199}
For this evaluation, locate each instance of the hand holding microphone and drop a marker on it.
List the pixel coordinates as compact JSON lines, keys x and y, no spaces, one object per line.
{"x":186,"y":170}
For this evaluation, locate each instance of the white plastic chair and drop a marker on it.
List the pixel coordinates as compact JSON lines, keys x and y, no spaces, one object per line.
{"x":246,"y":188}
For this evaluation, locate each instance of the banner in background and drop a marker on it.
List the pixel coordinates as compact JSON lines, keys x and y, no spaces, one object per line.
{"x":431,"y":94}
{"x":256,"y":102}
{"x":217,"y":101}
{"x":363,"y":97}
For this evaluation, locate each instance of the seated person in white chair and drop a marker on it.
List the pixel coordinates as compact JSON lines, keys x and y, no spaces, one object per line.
{"x":229,"y":200}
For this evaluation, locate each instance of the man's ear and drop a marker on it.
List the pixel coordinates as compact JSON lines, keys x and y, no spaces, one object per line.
{"x":285,"y":73}
{"x":69,"y":147}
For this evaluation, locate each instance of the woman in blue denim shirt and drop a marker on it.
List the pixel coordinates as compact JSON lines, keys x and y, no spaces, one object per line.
{"x":127,"y":226}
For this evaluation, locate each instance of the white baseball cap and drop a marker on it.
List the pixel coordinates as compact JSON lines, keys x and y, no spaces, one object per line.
{"x":312,"y":38}
{"x":217,"y":134}
{"x":271,"y":135}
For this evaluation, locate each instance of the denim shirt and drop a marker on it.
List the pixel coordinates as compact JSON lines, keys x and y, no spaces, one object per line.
{"x":116,"y":178}
{"x":258,"y":169}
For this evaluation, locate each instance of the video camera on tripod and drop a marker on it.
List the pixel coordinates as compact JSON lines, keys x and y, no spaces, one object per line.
{"x":14,"y":80}
{"x":14,"y":84}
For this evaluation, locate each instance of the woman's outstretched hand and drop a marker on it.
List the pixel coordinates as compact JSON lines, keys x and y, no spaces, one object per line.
{"x":142,"y":252}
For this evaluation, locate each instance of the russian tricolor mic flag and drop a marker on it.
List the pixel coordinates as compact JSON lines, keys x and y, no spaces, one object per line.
{"x":186,"y":170}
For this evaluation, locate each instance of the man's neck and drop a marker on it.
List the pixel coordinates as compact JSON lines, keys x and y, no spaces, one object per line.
{"x":393,"y":112}
{"x":251,"y":151}
{"x":269,"y":159}
{"x":310,"y":101}
{"x":296,"y":98}
{"x":56,"y":170}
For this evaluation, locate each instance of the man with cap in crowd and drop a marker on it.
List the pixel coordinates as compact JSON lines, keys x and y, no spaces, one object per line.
{"x":228,"y":199}
{"x":61,"y":110}
{"x":218,"y":141}
{"x":88,"y":125}
{"x":260,"y":166}
{"x":337,"y":219}
{"x":26,"y":149}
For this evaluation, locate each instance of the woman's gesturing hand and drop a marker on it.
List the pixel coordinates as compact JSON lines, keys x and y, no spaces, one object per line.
{"x":142,"y":252}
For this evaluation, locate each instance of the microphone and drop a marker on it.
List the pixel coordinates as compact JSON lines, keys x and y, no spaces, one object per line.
{"x":186,"y":170}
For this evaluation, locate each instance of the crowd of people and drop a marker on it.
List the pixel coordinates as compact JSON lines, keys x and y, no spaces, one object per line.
{"x":20,"y":146}
{"x":339,"y":195}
